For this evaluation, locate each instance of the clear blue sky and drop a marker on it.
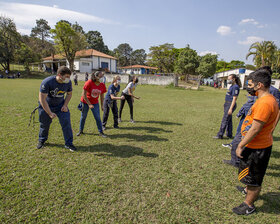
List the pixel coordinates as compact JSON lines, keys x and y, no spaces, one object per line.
{"x":221,"y":26}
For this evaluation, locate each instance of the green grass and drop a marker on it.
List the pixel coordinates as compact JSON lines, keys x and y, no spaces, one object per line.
{"x":165,"y":168}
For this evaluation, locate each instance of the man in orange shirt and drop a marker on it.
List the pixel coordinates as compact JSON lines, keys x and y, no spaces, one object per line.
{"x":255,"y":148}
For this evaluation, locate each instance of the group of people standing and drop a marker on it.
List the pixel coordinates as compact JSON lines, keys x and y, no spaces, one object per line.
{"x":252,"y":143}
{"x":53,"y":103}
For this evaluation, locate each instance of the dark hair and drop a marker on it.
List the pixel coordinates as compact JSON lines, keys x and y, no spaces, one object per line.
{"x":94,"y":75}
{"x":267,"y":68}
{"x":261,"y":75}
{"x":63,"y":70}
{"x":136,"y":79}
{"x":236,"y":79}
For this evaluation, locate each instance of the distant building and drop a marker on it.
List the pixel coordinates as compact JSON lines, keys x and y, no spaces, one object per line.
{"x":137,"y":70}
{"x":88,"y":60}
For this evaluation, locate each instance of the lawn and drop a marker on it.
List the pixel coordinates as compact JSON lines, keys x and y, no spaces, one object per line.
{"x":165,"y":168}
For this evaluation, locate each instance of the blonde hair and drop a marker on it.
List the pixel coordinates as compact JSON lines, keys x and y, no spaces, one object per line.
{"x":115,"y":78}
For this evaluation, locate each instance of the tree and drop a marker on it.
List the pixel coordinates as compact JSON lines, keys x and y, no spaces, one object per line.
{"x":68,"y":41}
{"x":207,"y":65}
{"x":9,"y":41}
{"x":138,"y":57}
{"x":187,"y":62}
{"x":262,"y":52}
{"x":25,"y":55}
{"x":95,"y":41}
{"x":41,"y":30}
{"x":163,"y":57}
{"x":123,"y":53}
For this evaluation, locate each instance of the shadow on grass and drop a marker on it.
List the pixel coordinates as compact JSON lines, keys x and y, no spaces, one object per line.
{"x":139,"y":138}
{"x":275,"y":154}
{"x":148,"y":129}
{"x":276,"y":138}
{"x":271,"y":203}
{"x":160,"y":122}
{"x":123,"y":151}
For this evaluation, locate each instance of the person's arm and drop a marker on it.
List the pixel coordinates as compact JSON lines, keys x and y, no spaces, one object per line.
{"x":67,"y":99}
{"x":86,"y":99}
{"x":130,"y":93}
{"x":45,"y":105}
{"x":232,"y":105}
{"x":102,"y":100}
{"x":251,"y":134}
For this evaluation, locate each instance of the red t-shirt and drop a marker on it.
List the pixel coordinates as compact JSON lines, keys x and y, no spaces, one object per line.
{"x":93,"y":91}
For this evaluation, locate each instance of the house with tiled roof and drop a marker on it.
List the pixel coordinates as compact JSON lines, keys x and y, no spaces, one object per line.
{"x":137,"y":69}
{"x":87,"y":60}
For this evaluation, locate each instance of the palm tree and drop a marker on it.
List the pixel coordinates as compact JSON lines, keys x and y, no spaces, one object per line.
{"x":263,"y":54}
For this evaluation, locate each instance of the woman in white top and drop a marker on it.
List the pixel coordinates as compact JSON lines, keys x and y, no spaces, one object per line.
{"x":129,"y":97}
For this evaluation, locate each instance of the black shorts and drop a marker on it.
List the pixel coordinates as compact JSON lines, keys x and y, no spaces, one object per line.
{"x":253,"y":165}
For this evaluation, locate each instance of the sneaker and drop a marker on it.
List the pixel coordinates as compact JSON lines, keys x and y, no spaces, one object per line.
{"x":218,"y":137}
{"x":116,"y":127}
{"x":241,"y":189}
{"x":72,"y":148}
{"x":132,"y":121}
{"x":102,"y":135}
{"x":244,"y":209}
{"x":40,"y":145}
{"x":229,"y":162}
{"x":80,"y":133}
{"x":119,"y":120}
{"x":227,"y":145}
{"x":103,"y":128}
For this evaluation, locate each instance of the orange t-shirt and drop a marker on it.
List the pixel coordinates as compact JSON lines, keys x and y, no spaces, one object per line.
{"x":266,"y":110}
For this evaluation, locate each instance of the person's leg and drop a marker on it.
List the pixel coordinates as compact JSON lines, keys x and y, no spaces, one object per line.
{"x":121,"y":108}
{"x":238,"y":130}
{"x":130,"y":103}
{"x":234,"y":158}
{"x":115,"y":113}
{"x":96,"y":114}
{"x":83,"y":116}
{"x":252,"y":195}
{"x":229,"y":126}
{"x":106,"y":111}
{"x":65,"y":122}
{"x":45,"y":122}
{"x":224,"y":122}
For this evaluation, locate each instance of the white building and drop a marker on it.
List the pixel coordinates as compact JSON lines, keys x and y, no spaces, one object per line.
{"x":88,"y":60}
{"x":137,"y":69}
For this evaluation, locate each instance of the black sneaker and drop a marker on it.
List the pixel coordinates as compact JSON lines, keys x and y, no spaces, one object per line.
{"x":244,"y":209}
{"x":40,"y":145}
{"x":241,"y":189}
{"x":80,"y":133}
{"x":218,"y":137}
{"x":72,"y":148}
{"x":227,"y":145}
{"x":102,"y":135}
{"x":116,"y":127}
{"x":229,"y":162}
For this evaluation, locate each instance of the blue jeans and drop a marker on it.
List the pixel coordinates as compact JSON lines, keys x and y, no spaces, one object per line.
{"x":96,"y":113}
{"x":64,"y":120}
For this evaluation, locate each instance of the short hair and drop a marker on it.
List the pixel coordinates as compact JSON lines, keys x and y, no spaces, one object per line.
{"x":261,"y":75}
{"x":268,"y":68}
{"x":63,"y":70}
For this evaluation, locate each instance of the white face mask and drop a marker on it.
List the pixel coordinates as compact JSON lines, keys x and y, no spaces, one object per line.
{"x":101,"y":79}
{"x":118,"y":82}
{"x":66,"y":80}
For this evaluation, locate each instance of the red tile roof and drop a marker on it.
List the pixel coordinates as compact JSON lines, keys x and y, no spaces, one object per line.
{"x":138,"y":66}
{"x":82,"y":53}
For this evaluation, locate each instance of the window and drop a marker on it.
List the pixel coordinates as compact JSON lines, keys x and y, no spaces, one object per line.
{"x":85,"y":64}
{"x":272,"y":82}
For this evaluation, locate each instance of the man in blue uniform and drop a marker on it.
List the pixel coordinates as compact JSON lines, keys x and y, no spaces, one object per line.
{"x":52,"y":104}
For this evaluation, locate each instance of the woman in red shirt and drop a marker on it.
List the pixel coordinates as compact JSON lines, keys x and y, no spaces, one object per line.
{"x":92,"y":89}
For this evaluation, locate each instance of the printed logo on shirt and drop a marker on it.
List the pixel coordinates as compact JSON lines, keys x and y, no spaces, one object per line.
{"x":95,"y":93}
{"x":236,"y":91}
{"x":57,"y":93}
{"x":43,"y":87}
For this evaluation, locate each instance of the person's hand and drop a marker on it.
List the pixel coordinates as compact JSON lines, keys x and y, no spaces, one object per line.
{"x":138,"y":98}
{"x":229,"y":112}
{"x":52,"y":115}
{"x":102,"y":108}
{"x":91,"y":106}
{"x":122,"y":97}
{"x":64,"y":108}
{"x":239,"y":151}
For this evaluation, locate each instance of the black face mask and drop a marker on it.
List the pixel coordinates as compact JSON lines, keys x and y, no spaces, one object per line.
{"x":251,"y":91}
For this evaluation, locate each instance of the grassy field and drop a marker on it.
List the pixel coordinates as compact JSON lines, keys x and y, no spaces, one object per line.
{"x":165,"y":168}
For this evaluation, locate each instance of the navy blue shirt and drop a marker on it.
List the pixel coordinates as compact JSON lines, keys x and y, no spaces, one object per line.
{"x":55,"y":90}
{"x":112,"y":90}
{"x":275,"y":92}
{"x":233,"y":91}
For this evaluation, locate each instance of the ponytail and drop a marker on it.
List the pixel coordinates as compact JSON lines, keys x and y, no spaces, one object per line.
{"x":236,"y":79}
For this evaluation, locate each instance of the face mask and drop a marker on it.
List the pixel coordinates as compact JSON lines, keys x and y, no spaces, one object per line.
{"x":229,"y":81}
{"x":118,"y":82}
{"x":101,"y":79}
{"x":66,"y":80}
{"x":251,"y":91}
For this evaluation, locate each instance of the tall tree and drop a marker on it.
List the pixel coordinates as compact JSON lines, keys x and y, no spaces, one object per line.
{"x":187,"y":62}
{"x":123,"y":53}
{"x":262,"y":52}
{"x":163,"y":57}
{"x":138,"y":57}
{"x":207,"y":65}
{"x":9,"y":41}
{"x":95,"y":41}
{"x":41,"y":30}
{"x":68,"y":41}
{"x":25,"y":55}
